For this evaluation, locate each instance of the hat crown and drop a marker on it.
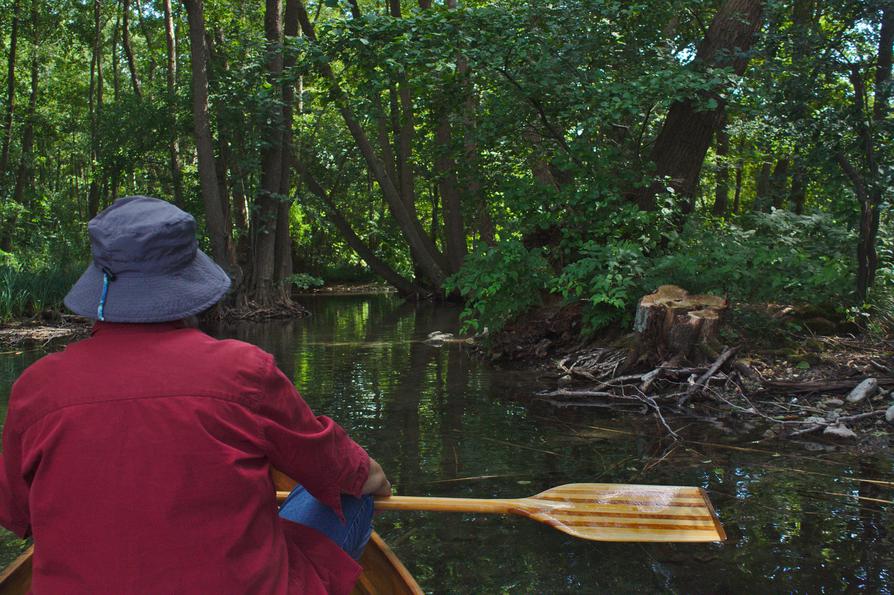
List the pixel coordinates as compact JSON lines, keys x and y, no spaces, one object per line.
{"x":144,"y":236}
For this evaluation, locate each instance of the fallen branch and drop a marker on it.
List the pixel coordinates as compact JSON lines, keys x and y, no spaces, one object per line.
{"x":699,"y":384}
{"x":824,"y":385}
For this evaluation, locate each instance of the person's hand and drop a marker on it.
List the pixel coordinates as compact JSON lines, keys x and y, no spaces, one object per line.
{"x":377,"y":483}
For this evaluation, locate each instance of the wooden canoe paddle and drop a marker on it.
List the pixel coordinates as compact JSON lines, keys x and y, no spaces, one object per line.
{"x":594,"y":511}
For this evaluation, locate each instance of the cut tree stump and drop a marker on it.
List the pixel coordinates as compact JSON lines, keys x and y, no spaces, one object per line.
{"x":674,"y":327}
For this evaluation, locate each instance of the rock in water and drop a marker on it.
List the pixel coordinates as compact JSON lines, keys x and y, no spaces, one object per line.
{"x":889,"y":415}
{"x":867,"y":388}
{"x":832,"y":403}
{"x":839,"y":431}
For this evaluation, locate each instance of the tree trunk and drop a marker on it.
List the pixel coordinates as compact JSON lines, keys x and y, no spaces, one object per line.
{"x":445,"y":170}
{"x":868,"y":185}
{"x":471,"y":174}
{"x":679,"y":150}
{"x":10,"y":91}
{"x":25,"y":175}
{"x":779,"y":183}
{"x":798,"y":193}
{"x":283,"y":248}
{"x":448,"y":186}
{"x":762,"y":200}
{"x":223,"y":145}
{"x":740,"y":167}
{"x":266,"y":203}
{"x":215,"y":220}
{"x":116,"y":84}
{"x":721,"y":191}
{"x":128,"y":50}
{"x":95,"y":103}
{"x":171,"y":83}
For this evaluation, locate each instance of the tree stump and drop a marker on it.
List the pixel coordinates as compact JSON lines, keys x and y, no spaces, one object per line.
{"x":674,"y":327}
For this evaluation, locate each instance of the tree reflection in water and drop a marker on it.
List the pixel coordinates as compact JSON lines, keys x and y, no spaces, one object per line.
{"x":445,"y":423}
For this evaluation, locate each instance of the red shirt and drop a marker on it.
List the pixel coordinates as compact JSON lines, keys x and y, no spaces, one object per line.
{"x":139,"y":459}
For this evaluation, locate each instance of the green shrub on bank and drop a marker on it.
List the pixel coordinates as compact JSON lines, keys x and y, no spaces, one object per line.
{"x":303,"y":281}
{"x":499,"y":283}
{"x":776,"y":257}
{"x":26,"y":292}
{"x":608,"y":278}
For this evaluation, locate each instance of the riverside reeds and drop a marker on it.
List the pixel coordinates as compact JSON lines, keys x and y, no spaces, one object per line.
{"x":27,"y":292}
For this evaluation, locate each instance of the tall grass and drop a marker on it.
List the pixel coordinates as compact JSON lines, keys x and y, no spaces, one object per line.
{"x":27,"y":292}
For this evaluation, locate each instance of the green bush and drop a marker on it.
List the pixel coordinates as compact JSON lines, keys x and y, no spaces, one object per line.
{"x":607,"y":278}
{"x":303,"y":281}
{"x":775,"y":257}
{"x":499,"y":282}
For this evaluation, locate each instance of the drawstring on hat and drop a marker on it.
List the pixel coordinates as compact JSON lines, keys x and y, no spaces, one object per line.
{"x":107,"y":276}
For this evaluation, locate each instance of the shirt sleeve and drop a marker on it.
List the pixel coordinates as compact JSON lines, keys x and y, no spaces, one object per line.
{"x":15,"y":513}
{"x":313,"y":450}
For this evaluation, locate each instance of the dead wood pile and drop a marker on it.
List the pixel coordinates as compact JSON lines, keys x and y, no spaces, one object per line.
{"x":678,"y":366}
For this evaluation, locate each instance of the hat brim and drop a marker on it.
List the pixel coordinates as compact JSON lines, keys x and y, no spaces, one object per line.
{"x":156,"y":298}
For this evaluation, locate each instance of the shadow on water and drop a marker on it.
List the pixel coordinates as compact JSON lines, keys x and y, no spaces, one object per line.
{"x":444,"y":423}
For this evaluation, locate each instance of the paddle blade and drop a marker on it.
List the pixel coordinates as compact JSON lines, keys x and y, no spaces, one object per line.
{"x":614,"y":512}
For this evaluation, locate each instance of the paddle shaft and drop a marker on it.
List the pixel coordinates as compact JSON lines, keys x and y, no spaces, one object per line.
{"x":599,"y":512}
{"x":434,"y":504}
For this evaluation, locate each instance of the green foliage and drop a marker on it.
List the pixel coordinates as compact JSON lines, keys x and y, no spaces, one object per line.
{"x":607,"y":278}
{"x":762,"y":257}
{"x":303,"y":281}
{"x":498,"y":283}
{"x":773,"y":257}
{"x":553,"y":110}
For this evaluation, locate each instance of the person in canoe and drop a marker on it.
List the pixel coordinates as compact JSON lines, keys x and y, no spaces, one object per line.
{"x":139,"y":459}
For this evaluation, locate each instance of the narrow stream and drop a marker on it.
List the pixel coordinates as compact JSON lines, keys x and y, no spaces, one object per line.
{"x":443,"y":423}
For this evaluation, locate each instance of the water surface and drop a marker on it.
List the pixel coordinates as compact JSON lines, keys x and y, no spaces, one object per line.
{"x":443,"y":423}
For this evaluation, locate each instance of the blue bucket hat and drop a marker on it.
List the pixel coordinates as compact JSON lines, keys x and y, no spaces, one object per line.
{"x":147,"y":266}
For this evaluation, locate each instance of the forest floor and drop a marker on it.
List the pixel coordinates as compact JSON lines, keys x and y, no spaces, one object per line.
{"x":780,"y":376}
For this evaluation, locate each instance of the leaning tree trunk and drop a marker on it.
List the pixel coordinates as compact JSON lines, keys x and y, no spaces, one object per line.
{"x":674,"y":328}
{"x":215,"y":219}
{"x":422,"y":247}
{"x":128,"y":50}
{"x":403,"y":285}
{"x":679,"y":151}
